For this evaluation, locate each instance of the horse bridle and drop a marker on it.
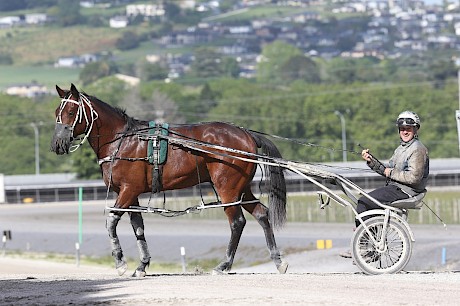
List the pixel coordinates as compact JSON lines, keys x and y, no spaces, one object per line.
{"x":81,"y":113}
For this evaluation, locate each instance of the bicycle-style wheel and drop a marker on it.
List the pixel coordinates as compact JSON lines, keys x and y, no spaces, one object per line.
{"x":393,"y":258}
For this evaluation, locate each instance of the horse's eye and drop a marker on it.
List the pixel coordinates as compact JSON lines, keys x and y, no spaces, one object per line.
{"x":71,"y":113}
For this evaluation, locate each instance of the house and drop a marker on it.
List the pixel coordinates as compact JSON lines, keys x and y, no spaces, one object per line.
{"x":130,"y":80}
{"x":9,"y":21}
{"x":306,"y":16}
{"x":239,"y":29}
{"x":147,"y":10}
{"x":35,"y":18}
{"x":118,"y":22}
{"x":89,"y":58}
{"x":69,"y":62}
{"x":31,"y":90}
{"x":187,"y":37}
{"x":76,"y":61}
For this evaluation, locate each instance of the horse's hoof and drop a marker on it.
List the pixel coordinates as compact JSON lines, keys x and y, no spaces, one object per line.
{"x":139,"y":273}
{"x":218,"y":272}
{"x":122,"y":269}
{"x":282,"y":268}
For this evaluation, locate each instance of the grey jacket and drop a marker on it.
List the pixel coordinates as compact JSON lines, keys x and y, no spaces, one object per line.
{"x":410,"y":163}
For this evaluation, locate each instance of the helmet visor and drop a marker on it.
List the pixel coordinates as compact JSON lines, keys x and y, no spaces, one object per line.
{"x":406,"y":121}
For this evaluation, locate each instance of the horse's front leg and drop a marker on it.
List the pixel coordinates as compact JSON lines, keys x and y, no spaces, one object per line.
{"x":137,"y":223}
{"x":111,"y":224}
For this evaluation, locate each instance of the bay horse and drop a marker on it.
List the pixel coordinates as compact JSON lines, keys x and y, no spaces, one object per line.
{"x":112,"y":134}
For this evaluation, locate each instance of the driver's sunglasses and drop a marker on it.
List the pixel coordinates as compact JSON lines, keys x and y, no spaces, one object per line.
{"x":406,"y":121}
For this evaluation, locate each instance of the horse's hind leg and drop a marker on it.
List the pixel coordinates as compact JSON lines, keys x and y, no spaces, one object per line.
{"x":260,"y":213}
{"x":111,"y":224}
{"x":237,"y":222}
{"x":137,"y":222}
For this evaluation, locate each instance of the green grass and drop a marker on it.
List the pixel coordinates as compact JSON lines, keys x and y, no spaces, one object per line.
{"x":195,"y":266}
{"x":446,"y":204}
{"x":46,"y":75}
{"x":257,"y":12}
{"x":305,"y":208}
{"x":44,"y":45}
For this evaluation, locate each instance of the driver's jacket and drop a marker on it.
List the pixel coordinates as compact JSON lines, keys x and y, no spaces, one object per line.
{"x":410,"y":163}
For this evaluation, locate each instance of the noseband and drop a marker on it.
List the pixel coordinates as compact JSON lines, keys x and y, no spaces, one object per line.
{"x":81,"y":113}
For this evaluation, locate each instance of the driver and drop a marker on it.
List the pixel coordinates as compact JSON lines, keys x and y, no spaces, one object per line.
{"x":406,"y":172}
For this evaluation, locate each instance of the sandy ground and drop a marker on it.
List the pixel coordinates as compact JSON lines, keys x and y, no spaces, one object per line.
{"x":37,"y":282}
{"x":318,"y":277}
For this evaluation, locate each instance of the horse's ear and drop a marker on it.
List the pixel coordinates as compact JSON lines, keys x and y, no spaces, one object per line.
{"x":60,"y":92}
{"x":74,"y":91}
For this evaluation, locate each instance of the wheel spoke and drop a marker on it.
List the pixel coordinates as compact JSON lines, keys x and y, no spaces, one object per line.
{"x":396,"y":252}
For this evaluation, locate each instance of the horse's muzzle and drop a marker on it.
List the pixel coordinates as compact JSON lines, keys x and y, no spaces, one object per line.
{"x":62,"y":139}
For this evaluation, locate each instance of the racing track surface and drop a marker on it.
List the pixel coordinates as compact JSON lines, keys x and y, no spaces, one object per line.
{"x":314,"y":277}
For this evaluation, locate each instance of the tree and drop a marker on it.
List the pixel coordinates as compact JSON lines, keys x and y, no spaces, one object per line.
{"x":172,"y":12}
{"x":12,"y":5}
{"x":158,"y":106}
{"x":85,"y":163}
{"x":300,"y":67}
{"x":441,"y":70}
{"x":6,"y":59}
{"x":230,"y":67}
{"x":128,"y":41}
{"x":109,"y":89}
{"x":96,"y":70}
{"x":164,"y":108}
{"x":150,"y":72}
{"x":274,"y":57}
{"x":207,"y":63}
{"x":68,"y":13}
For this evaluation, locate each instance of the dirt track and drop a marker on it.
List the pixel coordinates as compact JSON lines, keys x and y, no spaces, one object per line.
{"x":47,"y":283}
{"x":317,"y":277}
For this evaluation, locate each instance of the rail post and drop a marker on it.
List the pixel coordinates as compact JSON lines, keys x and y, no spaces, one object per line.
{"x":182,"y":255}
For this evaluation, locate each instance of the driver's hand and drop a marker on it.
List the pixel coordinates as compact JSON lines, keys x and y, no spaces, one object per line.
{"x":365,"y":155}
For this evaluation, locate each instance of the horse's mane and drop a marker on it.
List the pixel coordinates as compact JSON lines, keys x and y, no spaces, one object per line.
{"x":133,"y":123}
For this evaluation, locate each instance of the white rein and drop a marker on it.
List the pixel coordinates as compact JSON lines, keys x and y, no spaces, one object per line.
{"x":81,"y":113}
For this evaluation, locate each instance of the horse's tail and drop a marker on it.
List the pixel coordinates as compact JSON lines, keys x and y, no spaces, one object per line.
{"x":276,"y":181}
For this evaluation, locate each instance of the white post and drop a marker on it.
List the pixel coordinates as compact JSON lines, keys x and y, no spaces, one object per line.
{"x":182,"y":255}
{"x":4,"y":244}
{"x":344,"y":135}
{"x":77,"y":254}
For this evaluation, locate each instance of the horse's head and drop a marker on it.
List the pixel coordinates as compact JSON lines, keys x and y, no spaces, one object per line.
{"x":74,"y":116}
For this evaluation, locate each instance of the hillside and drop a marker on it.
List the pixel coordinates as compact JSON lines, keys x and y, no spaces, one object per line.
{"x":44,"y":45}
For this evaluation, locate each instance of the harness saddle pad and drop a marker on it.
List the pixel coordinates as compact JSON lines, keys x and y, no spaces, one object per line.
{"x":155,"y":145}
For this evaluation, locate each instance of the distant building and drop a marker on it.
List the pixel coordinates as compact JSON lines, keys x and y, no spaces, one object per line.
{"x":9,"y":21}
{"x":76,"y":61}
{"x":187,"y":4}
{"x":69,"y":62}
{"x":147,"y":10}
{"x":118,"y":22}
{"x":35,"y":18}
{"x":31,"y":90}
{"x":132,"y":81}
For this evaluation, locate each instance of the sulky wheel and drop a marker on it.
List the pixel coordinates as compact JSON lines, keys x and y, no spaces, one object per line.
{"x":395,"y":253}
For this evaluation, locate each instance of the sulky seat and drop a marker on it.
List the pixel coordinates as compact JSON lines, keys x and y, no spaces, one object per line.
{"x":414,"y":202}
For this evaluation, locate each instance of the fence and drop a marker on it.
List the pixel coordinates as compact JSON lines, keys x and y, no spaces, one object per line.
{"x":96,"y":190}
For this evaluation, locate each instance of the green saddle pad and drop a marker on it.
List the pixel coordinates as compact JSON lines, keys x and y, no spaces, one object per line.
{"x":163,"y":143}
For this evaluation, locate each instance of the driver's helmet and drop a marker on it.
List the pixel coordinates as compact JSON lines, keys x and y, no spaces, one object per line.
{"x":408,"y":118}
